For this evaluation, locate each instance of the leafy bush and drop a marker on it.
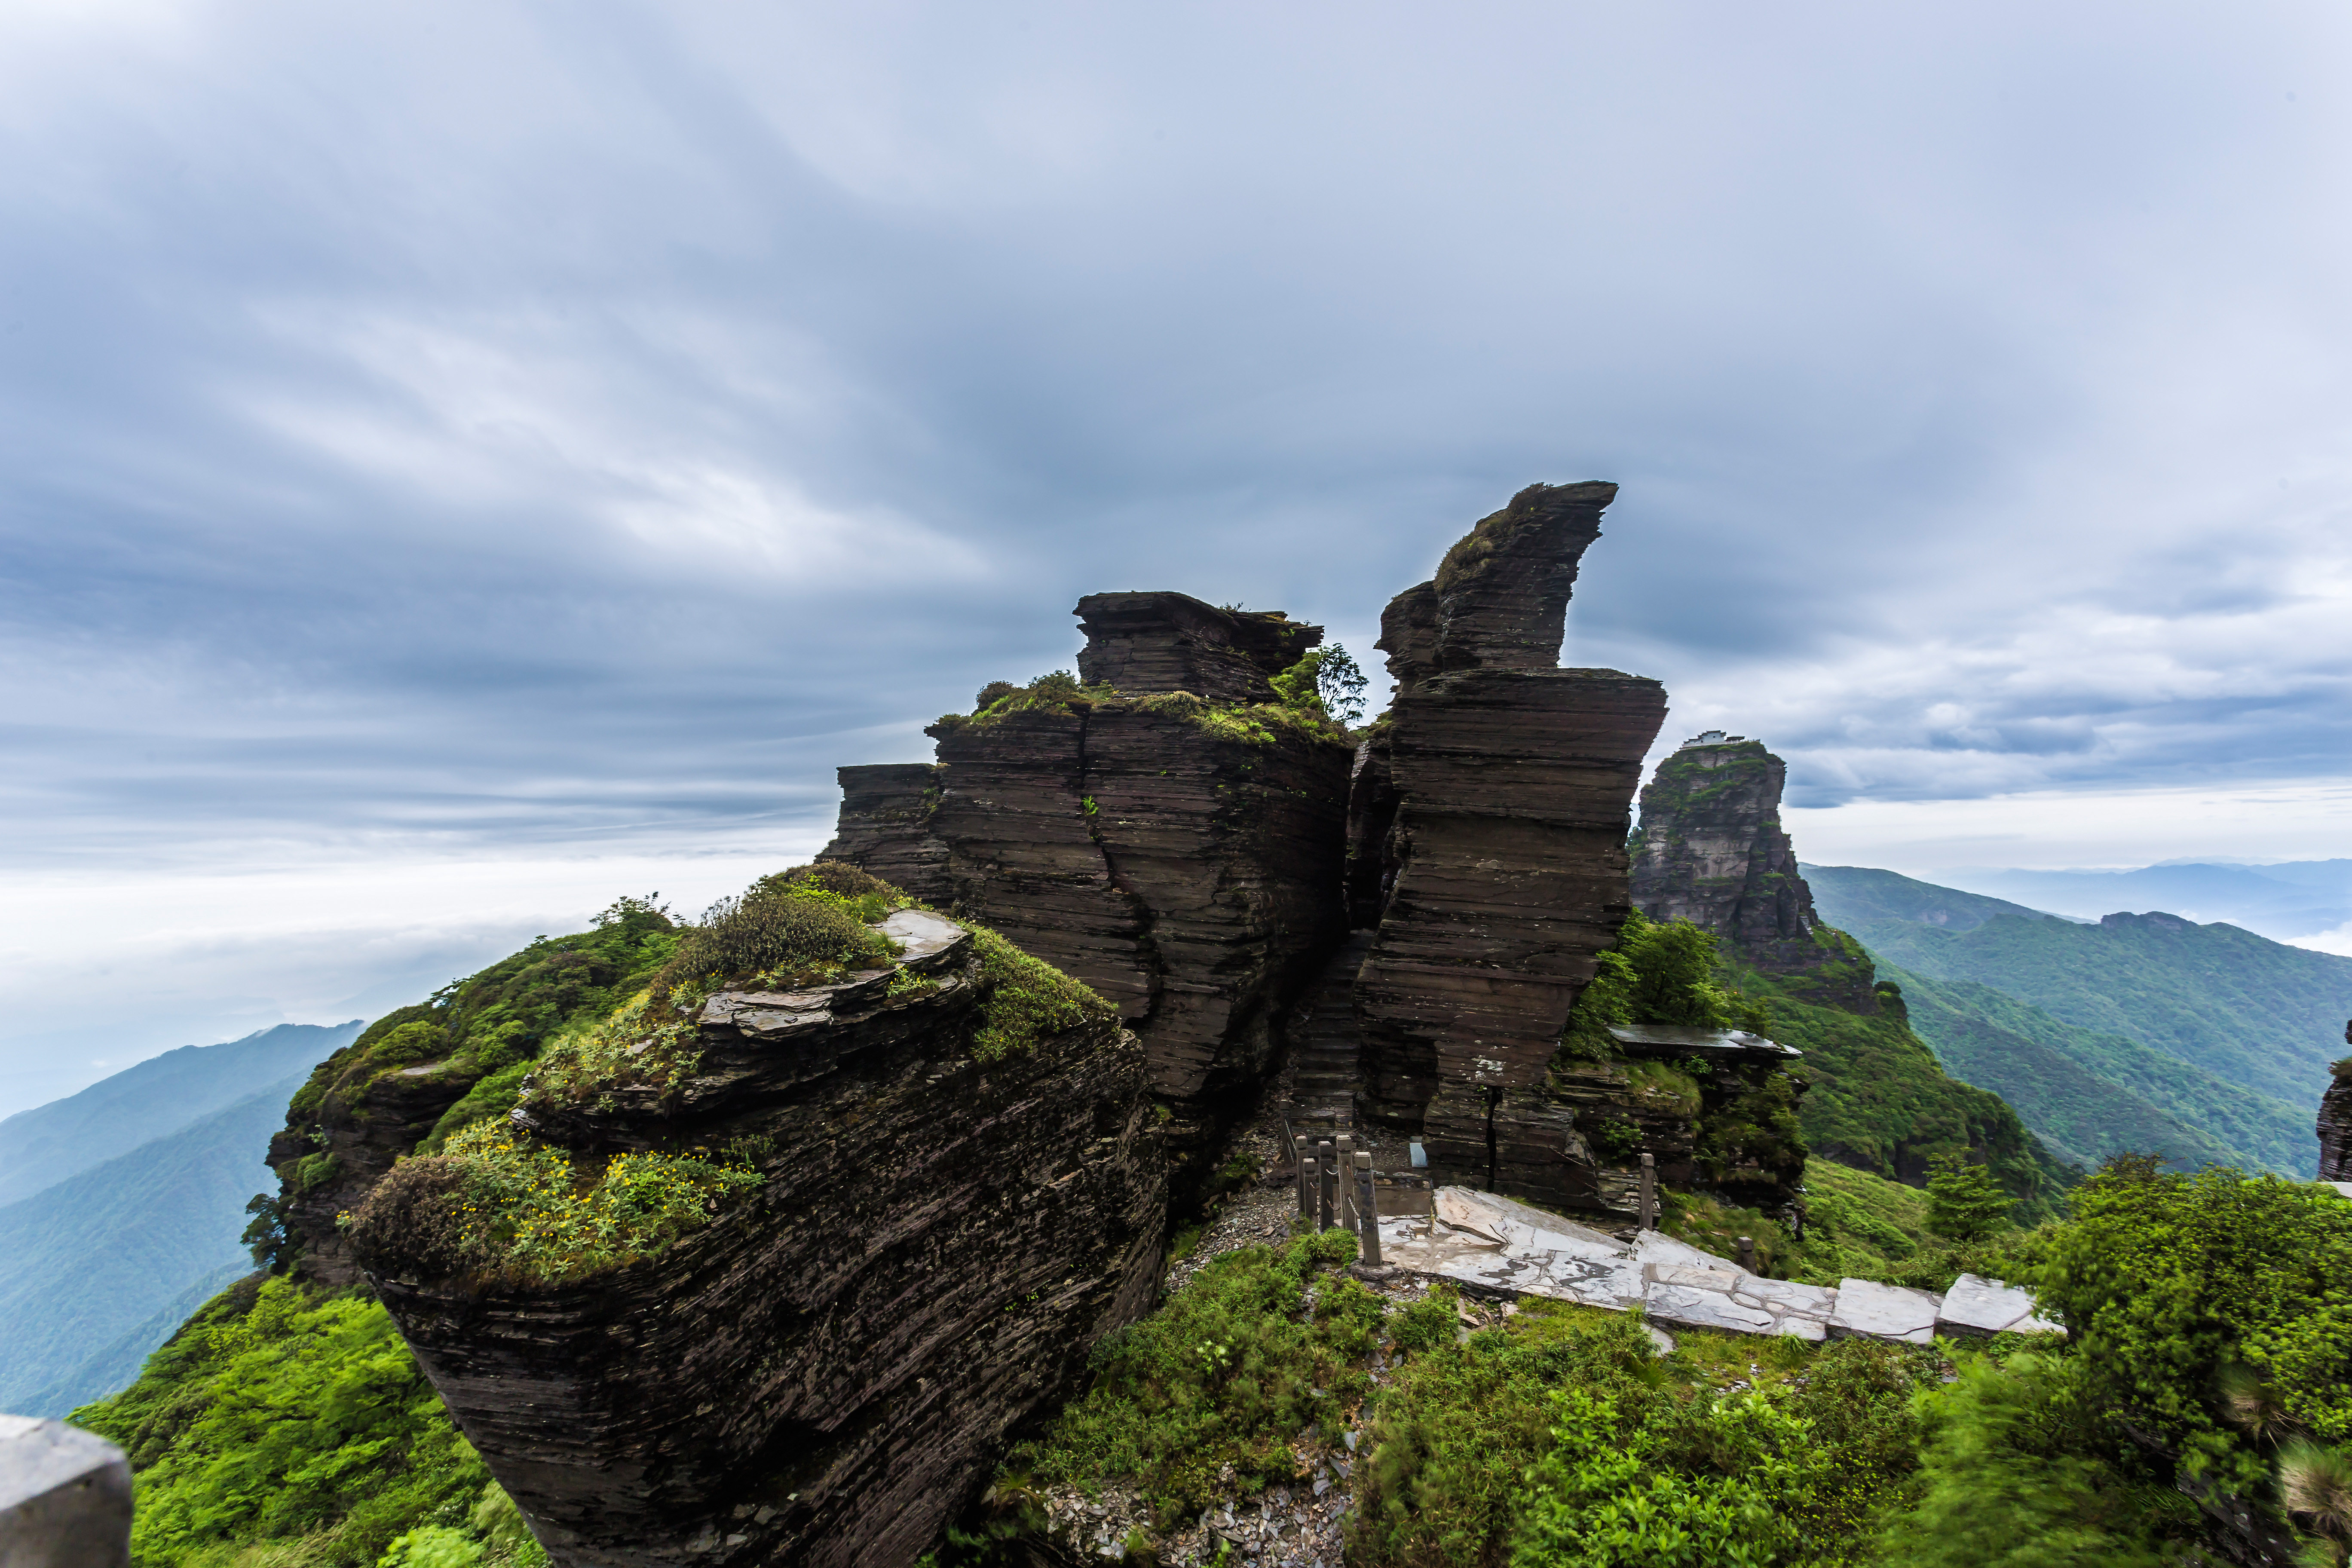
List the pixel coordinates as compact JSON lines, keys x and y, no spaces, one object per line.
{"x":2019,"y":1475}
{"x":2165,"y":1279}
{"x":1028,"y":1000}
{"x":277,"y":1415}
{"x":1659,"y":973}
{"x":510,"y":1208}
{"x":1234,"y":1367}
{"x":783,"y":931}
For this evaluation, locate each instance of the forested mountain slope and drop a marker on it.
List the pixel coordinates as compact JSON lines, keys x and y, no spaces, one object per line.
{"x":2142,"y":1032}
{"x":43,"y":1146}
{"x":86,"y":1262}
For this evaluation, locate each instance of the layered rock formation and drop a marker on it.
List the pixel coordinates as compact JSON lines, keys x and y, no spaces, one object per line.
{"x":1140,"y":643}
{"x":1164,"y":833}
{"x":824,"y":1375}
{"x":1711,"y":850}
{"x":884,"y":829}
{"x":1507,"y":784}
{"x":2336,"y":1121}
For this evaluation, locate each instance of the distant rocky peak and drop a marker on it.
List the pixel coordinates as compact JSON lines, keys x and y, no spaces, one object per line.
{"x":1711,"y":850}
{"x":1143,"y":644}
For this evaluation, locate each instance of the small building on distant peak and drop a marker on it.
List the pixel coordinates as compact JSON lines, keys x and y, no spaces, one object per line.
{"x":1712,"y":738}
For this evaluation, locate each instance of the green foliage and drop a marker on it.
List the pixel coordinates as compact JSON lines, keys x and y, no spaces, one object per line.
{"x":1659,"y":973}
{"x":1229,"y":1372}
{"x":2019,"y":1474}
{"x":1879,"y":1099}
{"x":502,"y":1205}
{"x":1513,"y":1446}
{"x":1603,"y":1499}
{"x":1028,"y":1000}
{"x":1964,"y":1203}
{"x":278,"y":1416}
{"x":2163,"y":1281}
{"x":2254,"y":1021}
{"x":1326,"y":683}
{"x":783,"y":931}
{"x":1058,"y":692}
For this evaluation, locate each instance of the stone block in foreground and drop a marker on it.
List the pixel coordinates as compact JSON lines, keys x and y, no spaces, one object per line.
{"x":65,"y":1496}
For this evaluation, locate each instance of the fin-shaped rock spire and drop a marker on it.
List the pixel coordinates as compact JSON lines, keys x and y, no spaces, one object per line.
{"x":1505,"y":786}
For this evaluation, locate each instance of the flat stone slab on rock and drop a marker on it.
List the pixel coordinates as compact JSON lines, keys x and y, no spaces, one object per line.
{"x":925,"y":940}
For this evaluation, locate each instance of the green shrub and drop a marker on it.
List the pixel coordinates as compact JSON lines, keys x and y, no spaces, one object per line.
{"x":507,"y":1206}
{"x":1229,"y":1372}
{"x":2016,"y":1478}
{"x":279,"y":1417}
{"x":780,"y":933}
{"x":1659,"y":973}
{"x":2164,"y":1279}
{"x":1026,"y":999}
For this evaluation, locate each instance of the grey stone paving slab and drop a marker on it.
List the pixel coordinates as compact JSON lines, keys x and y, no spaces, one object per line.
{"x":1494,"y":1244}
{"x":1979,"y":1305}
{"x":1883,"y":1311}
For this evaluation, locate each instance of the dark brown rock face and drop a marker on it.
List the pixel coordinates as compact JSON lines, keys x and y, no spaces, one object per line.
{"x":2335,"y":1122}
{"x":885,"y":827}
{"x":343,"y":1147}
{"x":1182,"y":856}
{"x":824,"y":1375}
{"x":1712,"y":851}
{"x":1190,"y":876}
{"x":1502,"y":874}
{"x":1144,"y":643}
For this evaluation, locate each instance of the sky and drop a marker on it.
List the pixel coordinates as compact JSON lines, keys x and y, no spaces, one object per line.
{"x":461,"y":463}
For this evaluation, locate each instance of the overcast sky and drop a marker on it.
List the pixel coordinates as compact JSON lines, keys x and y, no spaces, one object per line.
{"x":463,"y":462}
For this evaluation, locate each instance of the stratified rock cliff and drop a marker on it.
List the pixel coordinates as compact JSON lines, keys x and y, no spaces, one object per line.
{"x":1711,"y":850}
{"x":825,"y":1373}
{"x":1165,"y":832}
{"x":885,"y":827}
{"x":2336,"y":1121}
{"x":1507,"y":784}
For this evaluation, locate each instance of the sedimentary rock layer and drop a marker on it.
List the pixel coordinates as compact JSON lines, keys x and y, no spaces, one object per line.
{"x":2335,"y":1122}
{"x":1516,"y":787}
{"x":1139,"y":644}
{"x":1712,"y":851}
{"x":1487,"y":826}
{"x":885,"y":827}
{"x":825,"y":1375}
{"x":1188,"y":873}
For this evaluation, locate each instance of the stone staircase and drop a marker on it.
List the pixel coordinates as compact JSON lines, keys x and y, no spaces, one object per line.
{"x":1325,"y":1065}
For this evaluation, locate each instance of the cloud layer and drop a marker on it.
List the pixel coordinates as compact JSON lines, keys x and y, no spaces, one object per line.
{"x":459,"y":436}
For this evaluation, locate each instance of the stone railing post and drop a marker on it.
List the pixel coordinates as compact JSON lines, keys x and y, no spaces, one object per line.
{"x":1343,"y":1149}
{"x":65,"y":1496}
{"x":1327,"y":1171}
{"x":1649,"y":1193}
{"x":1747,"y":1253}
{"x":1306,"y":1186}
{"x":1368,"y":1211}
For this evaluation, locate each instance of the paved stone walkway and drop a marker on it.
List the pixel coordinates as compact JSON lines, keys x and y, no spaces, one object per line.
{"x":1495,"y":1245}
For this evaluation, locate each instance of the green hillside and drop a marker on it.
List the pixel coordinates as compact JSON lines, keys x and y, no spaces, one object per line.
{"x":1880,"y":1101}
{"x":1847,"y":896}
{"x":2242,"y":1007}
{"x":2097,"y":1094}
{"x":43,"y":1146}
{"x":89,"y":1260}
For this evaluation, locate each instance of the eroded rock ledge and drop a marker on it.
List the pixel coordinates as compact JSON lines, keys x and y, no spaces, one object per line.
{"x":824,"y":1373}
